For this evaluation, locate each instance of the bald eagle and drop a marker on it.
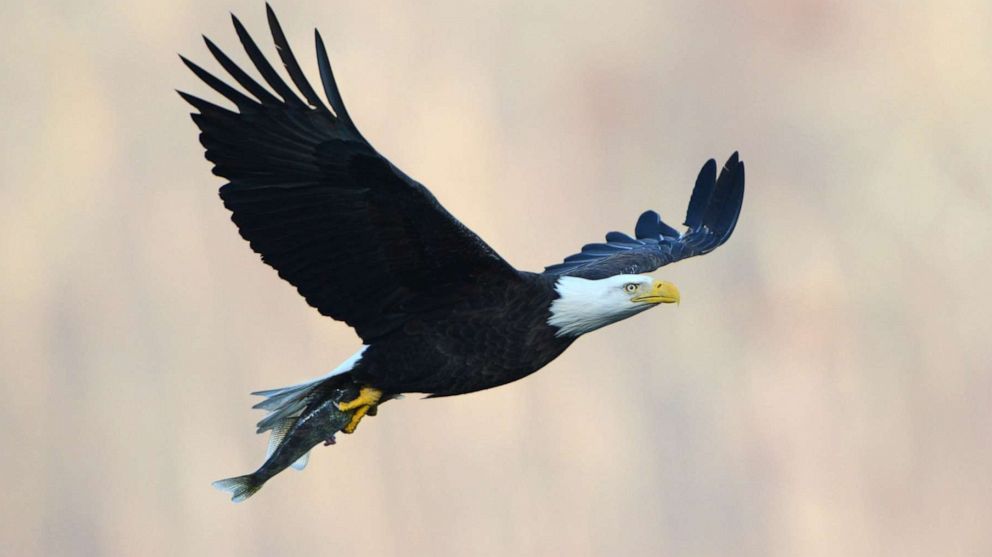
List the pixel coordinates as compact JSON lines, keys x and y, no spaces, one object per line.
{"x":438,"y":310}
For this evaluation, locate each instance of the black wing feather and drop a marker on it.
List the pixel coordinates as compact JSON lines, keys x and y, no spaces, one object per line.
{"x":331,"y":86}
{"x":246,"y":81}
{"x":359,"y":239}
{"x":289,"y":61}
{"x":713,"y":211}
{"x":701,"y":193}
{"x":262,"y":64}
{"x":230,"y":93}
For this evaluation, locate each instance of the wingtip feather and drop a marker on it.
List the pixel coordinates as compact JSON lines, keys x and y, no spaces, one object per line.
{"x":701,"y":193}
{"x":289,"y":61}
{"x":330,"y":85}
{"x":647,"y":225}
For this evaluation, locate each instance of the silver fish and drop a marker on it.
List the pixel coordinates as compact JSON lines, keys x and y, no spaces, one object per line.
{"x":292,"y":439}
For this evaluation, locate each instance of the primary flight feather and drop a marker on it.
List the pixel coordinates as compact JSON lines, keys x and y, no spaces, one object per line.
{"x":438,"y":310}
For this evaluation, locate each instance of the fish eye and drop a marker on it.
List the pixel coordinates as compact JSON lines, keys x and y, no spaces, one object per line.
{"x":630,"y":287}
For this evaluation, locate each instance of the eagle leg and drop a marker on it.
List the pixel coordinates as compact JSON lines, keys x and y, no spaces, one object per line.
{"x":365,"y":403}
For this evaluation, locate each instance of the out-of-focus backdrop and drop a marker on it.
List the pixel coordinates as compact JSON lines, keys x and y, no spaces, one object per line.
{"x":824,"y":389}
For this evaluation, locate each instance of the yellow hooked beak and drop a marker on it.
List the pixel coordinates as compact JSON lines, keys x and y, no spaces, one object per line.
{"x":661,"y":293}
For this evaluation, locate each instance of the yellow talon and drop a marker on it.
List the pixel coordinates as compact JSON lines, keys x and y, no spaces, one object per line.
{"x":368,"y":396}
{"x":366,"y":400}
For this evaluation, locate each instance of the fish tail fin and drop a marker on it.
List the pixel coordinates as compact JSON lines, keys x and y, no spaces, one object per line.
{"x":240,"y":487}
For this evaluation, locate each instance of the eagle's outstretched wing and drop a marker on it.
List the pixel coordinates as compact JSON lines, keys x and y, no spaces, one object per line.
{"x":713,"y":210}
{"x":361,"y":241}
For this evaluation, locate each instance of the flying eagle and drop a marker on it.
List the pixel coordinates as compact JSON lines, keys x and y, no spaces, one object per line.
{"x":438,"y":310}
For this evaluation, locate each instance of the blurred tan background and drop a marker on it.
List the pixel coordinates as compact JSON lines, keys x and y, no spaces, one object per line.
{"x":824,"y":389}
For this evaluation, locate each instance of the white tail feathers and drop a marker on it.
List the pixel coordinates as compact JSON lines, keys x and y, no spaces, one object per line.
{"x":240,"y":488}
{"x":286,"y":403}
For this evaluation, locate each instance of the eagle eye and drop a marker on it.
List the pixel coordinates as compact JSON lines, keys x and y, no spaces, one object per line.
{"x":630,"y":287}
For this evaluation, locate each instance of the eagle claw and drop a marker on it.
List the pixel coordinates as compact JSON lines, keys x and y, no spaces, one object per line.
{"x":365,"y":403}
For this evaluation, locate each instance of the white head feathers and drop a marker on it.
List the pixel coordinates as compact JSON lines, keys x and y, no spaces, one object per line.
{"x":586,"y":305}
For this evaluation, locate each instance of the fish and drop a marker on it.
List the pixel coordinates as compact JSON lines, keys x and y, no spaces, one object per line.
{"x":292,"y":438}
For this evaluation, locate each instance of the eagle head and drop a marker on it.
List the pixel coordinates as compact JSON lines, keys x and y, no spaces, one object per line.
{"x":584,"y":305}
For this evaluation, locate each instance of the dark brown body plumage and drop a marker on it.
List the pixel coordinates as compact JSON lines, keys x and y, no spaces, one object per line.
{"x":495,"y":336}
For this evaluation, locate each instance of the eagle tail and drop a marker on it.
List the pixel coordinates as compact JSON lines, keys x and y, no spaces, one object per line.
{"x":285,"y":404}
